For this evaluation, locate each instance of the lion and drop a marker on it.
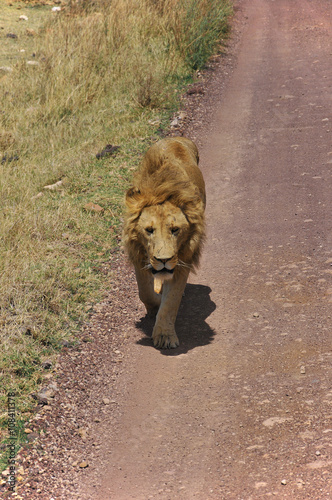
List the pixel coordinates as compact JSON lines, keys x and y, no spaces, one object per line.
{"x":164,"y":230}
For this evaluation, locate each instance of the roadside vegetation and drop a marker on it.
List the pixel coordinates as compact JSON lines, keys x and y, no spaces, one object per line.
{"x":94,"y":74}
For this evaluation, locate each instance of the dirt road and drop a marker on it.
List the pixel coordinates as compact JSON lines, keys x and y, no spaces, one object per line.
{"x":242,"y":409}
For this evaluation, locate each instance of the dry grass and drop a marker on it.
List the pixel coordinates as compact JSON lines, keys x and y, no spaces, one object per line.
{"x":100,"y":76}
{"x":25,"y":30}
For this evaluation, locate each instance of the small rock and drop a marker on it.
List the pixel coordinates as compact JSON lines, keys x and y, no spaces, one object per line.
{"x":42,"y":400}
{"x":106,"y":401}
{"x":9,"y":159}
{"x":57,"y":184}
{"x":39,"y":195}
{"x":86,"y":339}
{"x":283,"y":481}
{"x":156,"y":122}
{"x":196,"y":89}
{"x":175,"y":122}
{"x":93,"y":207}
{"x":33,"y":63}
{"x":30,"y":32}
{"x":83,"y":433}
{"x":32,"y":436}
{"x":23,"y":18}
{"x":56,"y":9}
{"x":5,"y":70}
{"x":108,"y":150}
{"x":11,"y":35}
{"x":302,"y":370}
{"x":83,"y":465}
{"x":47,"y":365}
{"x":182,"y":115}
{"x":318,"y":453}
{"x":256,"y":315}
{"x":45,"y":395}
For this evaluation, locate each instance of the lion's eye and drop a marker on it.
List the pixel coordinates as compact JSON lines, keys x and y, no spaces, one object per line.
{"x":174,"y":230}
{"x":149,"y":230}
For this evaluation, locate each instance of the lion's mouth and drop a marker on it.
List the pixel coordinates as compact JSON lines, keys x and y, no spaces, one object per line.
{"x":169,"y":271}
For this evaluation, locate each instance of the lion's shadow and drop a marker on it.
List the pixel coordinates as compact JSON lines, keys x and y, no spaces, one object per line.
{"x":191,"y":327}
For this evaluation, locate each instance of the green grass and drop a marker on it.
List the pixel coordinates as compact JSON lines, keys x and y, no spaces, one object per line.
{"x":108,"y":73}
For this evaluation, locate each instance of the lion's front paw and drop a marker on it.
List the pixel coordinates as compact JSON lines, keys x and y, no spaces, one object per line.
{"x":164,"y":338}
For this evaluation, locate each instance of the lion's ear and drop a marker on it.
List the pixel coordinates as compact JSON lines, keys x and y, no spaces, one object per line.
{"x":133,"y":192}
{"x":194,"y":210}
{"x":133,"y":197}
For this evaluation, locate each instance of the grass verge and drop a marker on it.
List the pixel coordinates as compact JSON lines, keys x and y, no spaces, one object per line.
{"x":101,"y":74}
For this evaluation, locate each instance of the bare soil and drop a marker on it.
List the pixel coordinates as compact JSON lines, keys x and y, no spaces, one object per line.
{"x":242,"y":409}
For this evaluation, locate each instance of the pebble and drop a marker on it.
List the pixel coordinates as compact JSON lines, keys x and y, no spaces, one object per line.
{"x":51,"y":187}
{"x":5,"y":69}
{"x":93,"y":207}
{"x":83,"y":433}
{"x":283,"y":481}
{"x":302,"y":370}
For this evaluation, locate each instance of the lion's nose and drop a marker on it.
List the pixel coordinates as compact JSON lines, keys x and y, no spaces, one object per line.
{"x":164,"y":261}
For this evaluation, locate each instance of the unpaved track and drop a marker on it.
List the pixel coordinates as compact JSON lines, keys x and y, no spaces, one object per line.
{"x":242,"y":409}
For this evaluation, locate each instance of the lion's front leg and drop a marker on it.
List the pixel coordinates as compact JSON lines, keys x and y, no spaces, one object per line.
{"x":164,"y":335}
{"x":150,"y":299}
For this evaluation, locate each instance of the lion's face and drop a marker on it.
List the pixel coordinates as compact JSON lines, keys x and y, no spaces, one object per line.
{"x":161,"y":230}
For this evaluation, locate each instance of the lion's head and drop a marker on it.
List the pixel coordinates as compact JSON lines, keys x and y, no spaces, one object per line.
{"x":162,"y":229}
{"x":161,"y":236}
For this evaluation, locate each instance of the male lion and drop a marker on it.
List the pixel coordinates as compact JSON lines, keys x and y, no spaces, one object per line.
{"x":164,"y":229}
